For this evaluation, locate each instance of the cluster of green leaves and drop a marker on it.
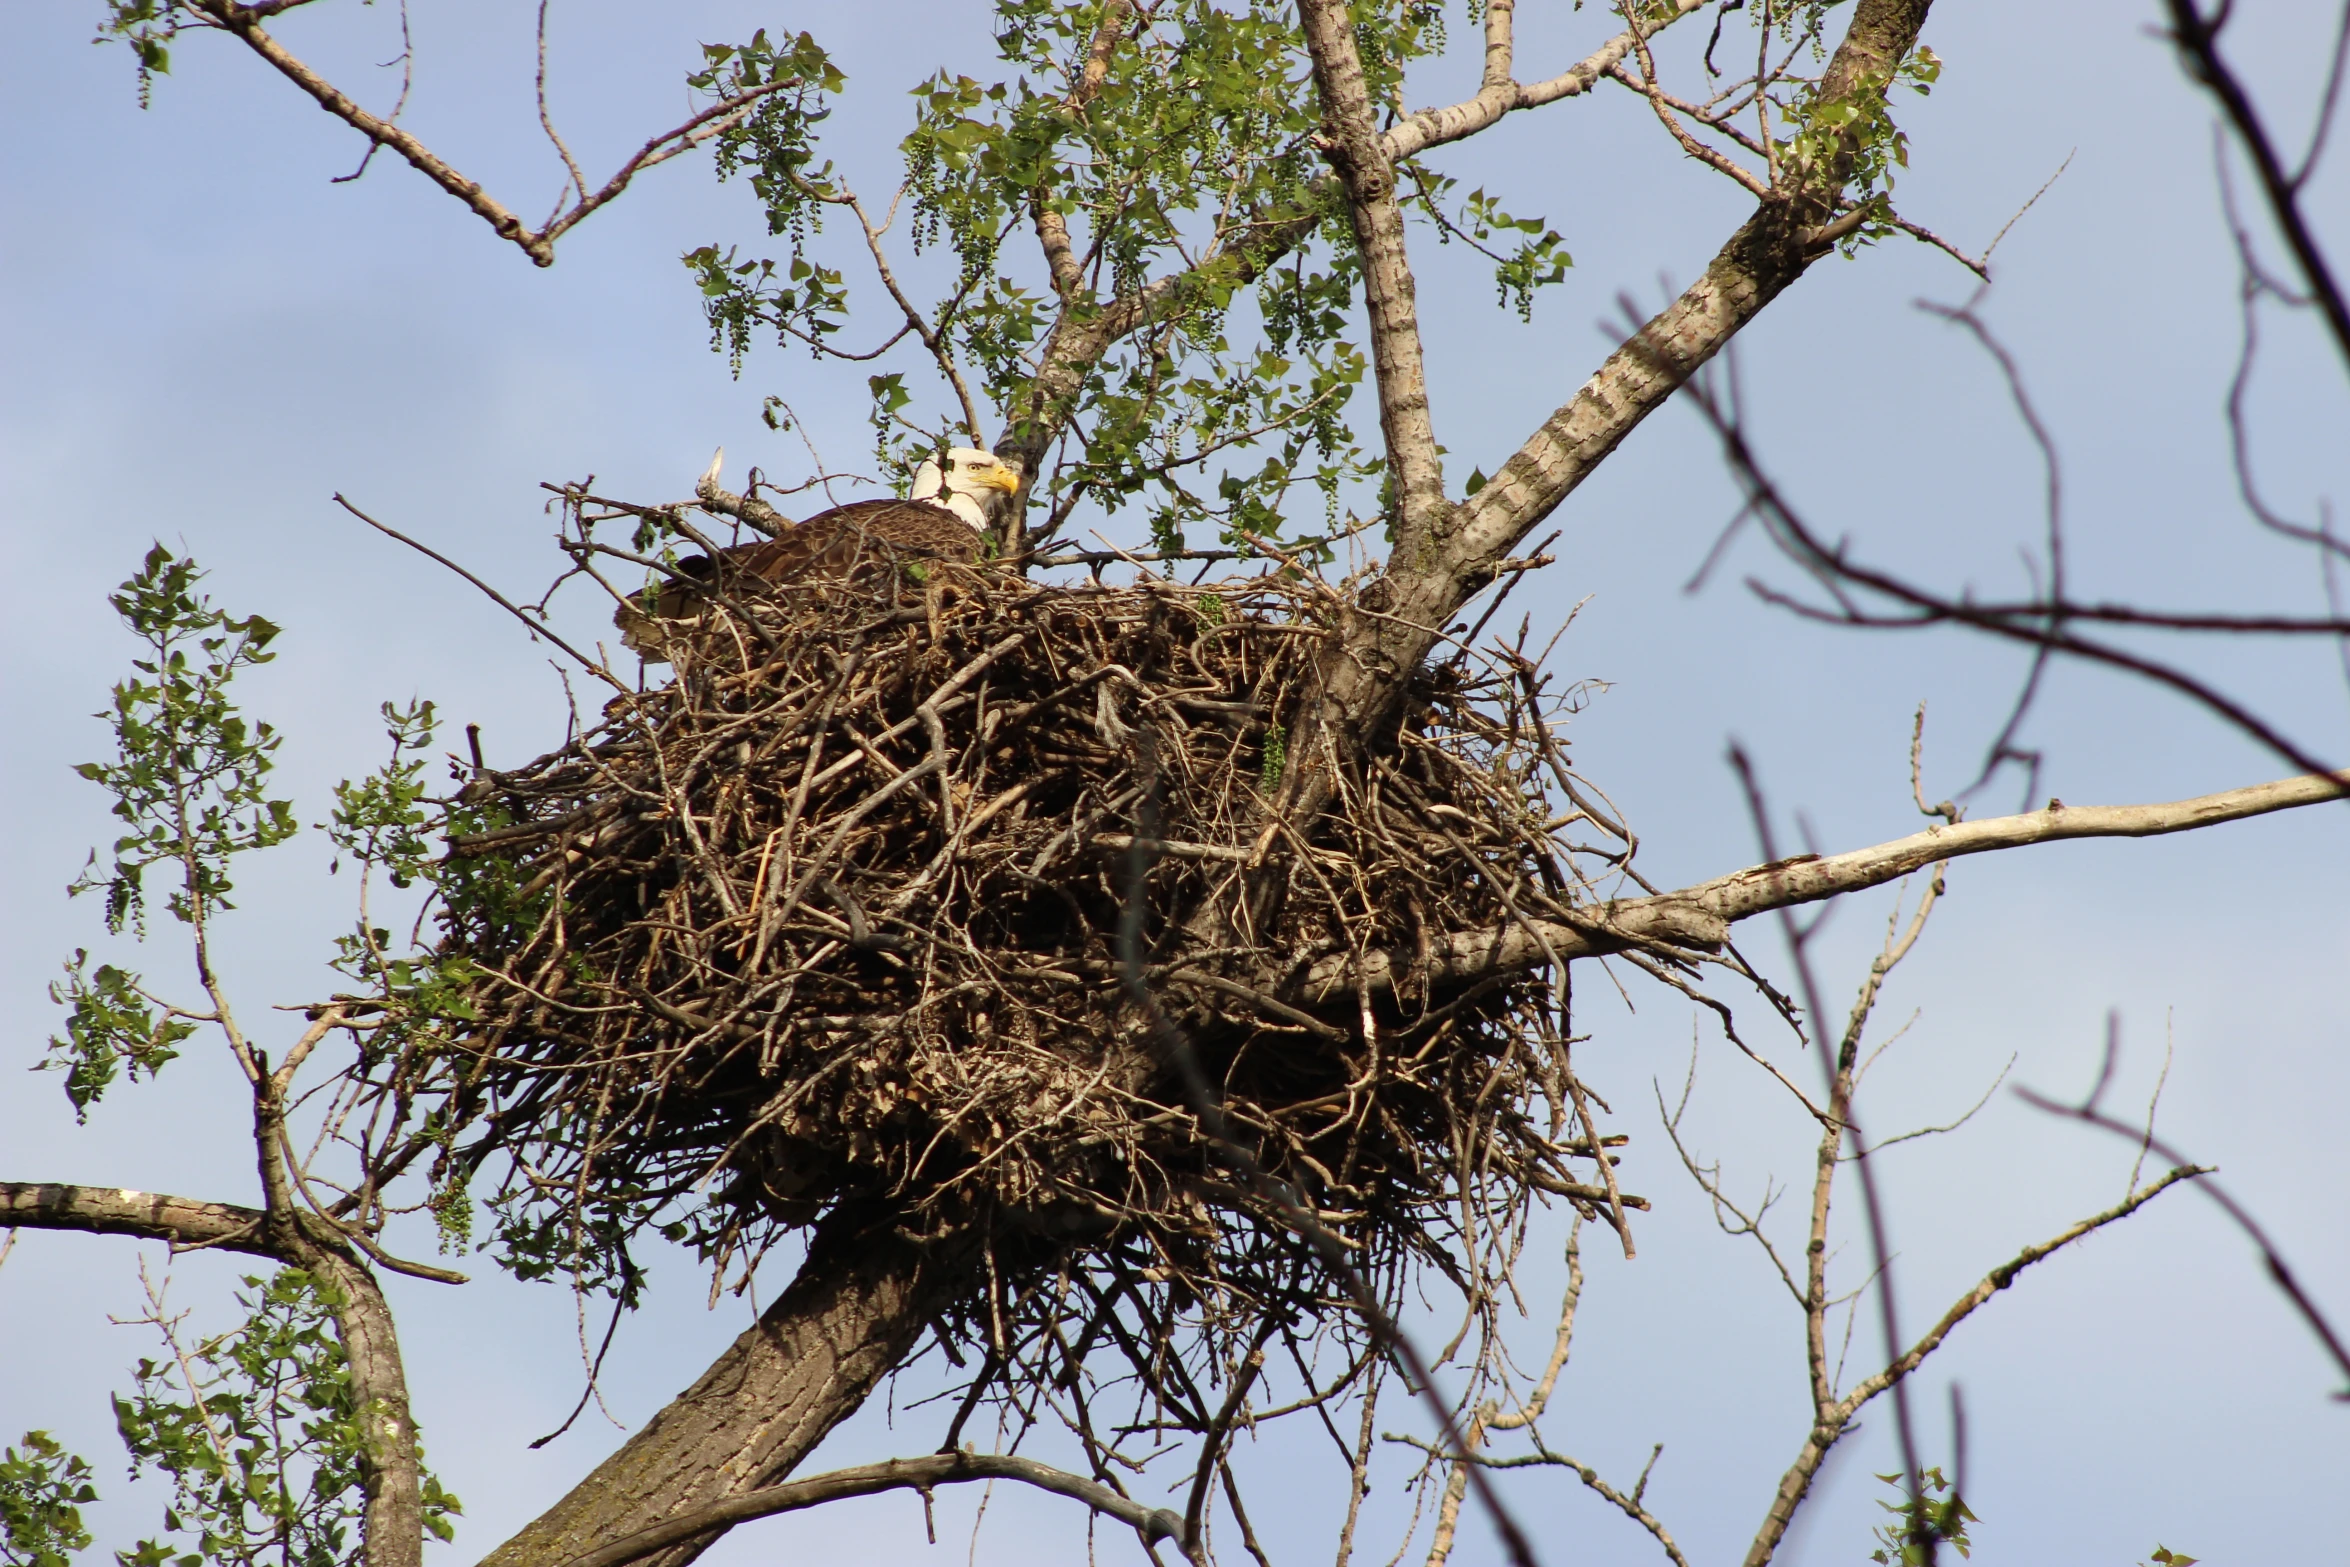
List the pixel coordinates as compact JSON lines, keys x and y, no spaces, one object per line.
{"x":1858,"y":125}
{"x":149,"y":28}
{"x":1197,"y":139}
{"x":1537,"y":257}
{"x":1187,"y":170}
{"x":110,"y":1024}
{"x":422,"y":990}
{"x":389,"y":821}
{"x":256,"y":1426}
{"x":263,"y":1439}
{"x":1934,"y":1516}
{"x":775,"y":150}
{"x":542,"y":1234}
{"x":42,"y":1490}
{"x":189,"y":774}
{"x":189,"y":780}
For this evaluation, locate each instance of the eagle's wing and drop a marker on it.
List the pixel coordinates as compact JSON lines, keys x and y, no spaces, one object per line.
{"x":839,"y":540}
{"x":762,"y":560}
{"x":833,"y":543}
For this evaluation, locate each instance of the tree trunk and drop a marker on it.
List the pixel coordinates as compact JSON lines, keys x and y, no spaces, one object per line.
{"x":849,"y":1317}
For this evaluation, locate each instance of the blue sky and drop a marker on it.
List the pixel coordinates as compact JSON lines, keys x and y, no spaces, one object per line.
{"x":206,"y":339}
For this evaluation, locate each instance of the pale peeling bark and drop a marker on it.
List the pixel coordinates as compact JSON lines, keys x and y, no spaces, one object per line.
{"x":1367,"y":173}
{"x":391,"y":1471}
{"x":855,"y":1310}
{"x":1700,"y":916}
{"x":1498,"y":95}
{"x":155,"y":1216}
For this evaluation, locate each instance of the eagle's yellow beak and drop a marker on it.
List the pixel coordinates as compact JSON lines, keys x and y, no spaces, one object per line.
{"x":1000,"y":477}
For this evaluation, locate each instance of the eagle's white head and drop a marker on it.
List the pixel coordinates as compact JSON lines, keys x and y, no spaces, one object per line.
{"x":974,"y":485}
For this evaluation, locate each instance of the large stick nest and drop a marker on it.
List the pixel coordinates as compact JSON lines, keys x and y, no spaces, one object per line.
{"x":837,"y":915}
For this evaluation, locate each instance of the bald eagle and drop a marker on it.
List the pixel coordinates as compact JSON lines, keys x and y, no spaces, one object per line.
{"x":946,"y":516}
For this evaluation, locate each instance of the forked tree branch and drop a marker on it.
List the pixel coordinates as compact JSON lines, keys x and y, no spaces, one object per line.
{"x":1699,"y":916}
{"x":1400,"y":616}
{"x":1498,"y":98}
{"x":1080,"y":336}
{"x":244,"y":23}
{"x":1833,"y":1421}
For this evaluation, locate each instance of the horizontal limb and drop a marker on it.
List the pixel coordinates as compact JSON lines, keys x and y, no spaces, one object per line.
{"x":1701,"y":916}
{"x":106,"y":1210}
{"x":1153,"y":1524}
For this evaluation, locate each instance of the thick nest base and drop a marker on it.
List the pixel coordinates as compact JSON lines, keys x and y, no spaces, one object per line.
{"x":845,"y":912}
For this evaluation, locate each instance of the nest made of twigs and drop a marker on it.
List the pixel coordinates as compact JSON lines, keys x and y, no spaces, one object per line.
{"x":836,"y":914}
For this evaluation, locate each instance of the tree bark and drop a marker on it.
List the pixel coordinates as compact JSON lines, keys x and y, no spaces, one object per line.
{"x":393,"y":1533}
{"x":857,"y":1306}
{"x":1446,"y":553}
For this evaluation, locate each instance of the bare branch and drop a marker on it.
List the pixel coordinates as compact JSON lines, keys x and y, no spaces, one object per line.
{"x":547,"y":120}
{"x":2279,"y":1272}
{"x":538,"y":628}
{"x":185,"y":1222}
{"x":2197,"y":38}
{"x":1630,"y":1506}
{"x":2001,"y":1277}
{"x":1152,"y":1524}
{"x":1834,"y":1420}
{"x":1498,"y":98}
{"x":1700,"y":915}
{"x":244,"y":22}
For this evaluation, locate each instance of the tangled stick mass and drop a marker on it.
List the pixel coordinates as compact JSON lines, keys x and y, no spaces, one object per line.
{"x":837,"y":914}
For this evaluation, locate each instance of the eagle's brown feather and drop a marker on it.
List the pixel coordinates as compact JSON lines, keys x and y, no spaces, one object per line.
{"x":834,"y":543}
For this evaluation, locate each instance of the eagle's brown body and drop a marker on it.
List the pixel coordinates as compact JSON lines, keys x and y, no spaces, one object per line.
{"x":834,"y":544}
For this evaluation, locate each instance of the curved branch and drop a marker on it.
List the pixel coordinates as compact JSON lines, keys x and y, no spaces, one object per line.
{"x":1153,"y":1524}
{"x":2002,"y":1276}
{"x":1498,"y":98}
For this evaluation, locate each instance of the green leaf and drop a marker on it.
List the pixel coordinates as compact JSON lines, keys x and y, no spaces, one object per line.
{"x":189,"y":774}
{"x":112,"y":1025}
{"x":42,"y":1491}
{"x":267,"y":1449}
